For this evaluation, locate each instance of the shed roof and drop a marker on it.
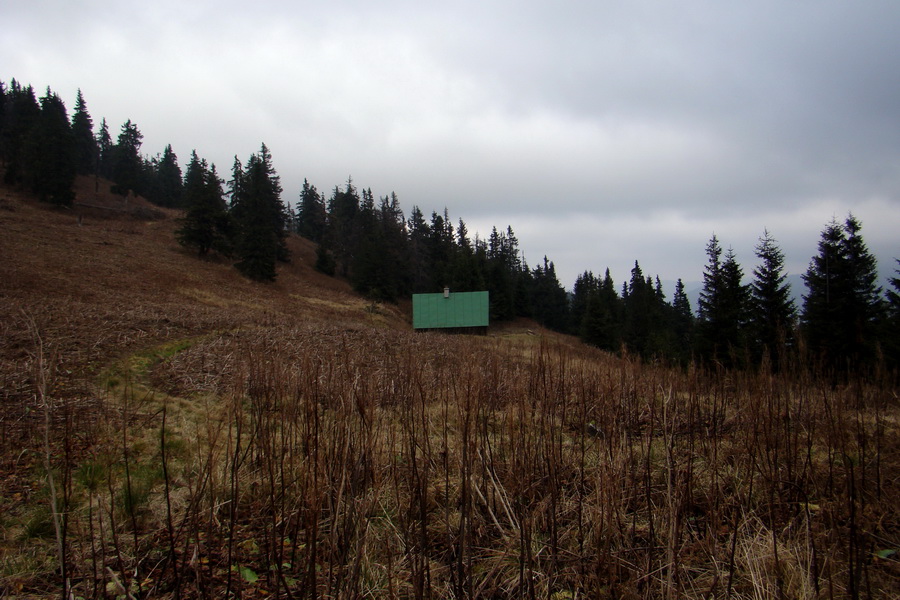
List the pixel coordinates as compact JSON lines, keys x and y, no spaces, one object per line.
{"x":458,"y":309}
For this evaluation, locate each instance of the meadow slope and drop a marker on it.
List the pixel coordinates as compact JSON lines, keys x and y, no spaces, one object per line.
{"x":169,"y":429}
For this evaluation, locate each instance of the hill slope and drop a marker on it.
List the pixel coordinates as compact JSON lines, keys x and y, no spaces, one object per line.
{"x":170,"y":429}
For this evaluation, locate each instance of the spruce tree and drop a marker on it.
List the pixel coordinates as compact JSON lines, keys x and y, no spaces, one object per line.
{"x":467,"y":270}
{"x":343,"y":228}
{"x":441,"y":247}
{"x":19,"y":144}
{"x":639,"y":308}
{"x":396,"y":250}
{"x":206,"y":225}
{"x":311,"y":214}
{"x":891,"y":333}
{"x":2,"y":115}
{"x":581,"y":290}
{"x":419,"y":234}
{"x":773,"y":312}
{"x":893,"y":295}
{"x":367,"y":270}
{"x":52,"y":171}
{"x":842,"y":307}
{"x":682,"y":322}
{"x":550,"y":302}
{"x":86,"y":150}
{"x":603,"y":316}
{"x":708,"y":305}
{"x":260,"y":218}
{"x":723,"y":306}
{"x":127,"y":163}
{"x":105,"y":151}
{"x":168,"y":184}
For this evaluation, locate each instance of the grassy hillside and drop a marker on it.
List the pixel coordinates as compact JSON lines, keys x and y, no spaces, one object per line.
{"x":170,"y":429}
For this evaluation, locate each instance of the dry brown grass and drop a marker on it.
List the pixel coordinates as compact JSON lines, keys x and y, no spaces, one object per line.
{"x":211,"y":437}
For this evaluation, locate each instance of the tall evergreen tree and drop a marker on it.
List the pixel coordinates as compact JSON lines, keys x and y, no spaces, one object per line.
{"x":206,"y":225}
{"x":86,"y":150}
{"x":581,"y":290}
{"x":842,"y":307}
{"x":127,"y":164}
{"x":549,"y":298}
{"x":602,"y":324}
{"x":441,"y":247}
{"x":53,"y":171}
{"x":723,"y":306}
{"x":367,"y":271}
{"x":467,"y":270}
{"x":639,"y":308}
{"x":891,"y":333}
{"x":105,"y":151}
{"x":18,"y":144}
{"x":311,"y":214}
{"x":168,"y":183}
{"x":343,"y":229}
{"x":773,"y":312}
{"x":395,"y":254}
{"x":260,"y":218}
{"x":502,"y":270}
{"x":2,"y":115}
{"x":682,"y":323}
{"x":419,"y":233}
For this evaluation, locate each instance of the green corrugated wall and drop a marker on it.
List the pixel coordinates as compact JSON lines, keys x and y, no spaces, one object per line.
{"x":461,"y":309}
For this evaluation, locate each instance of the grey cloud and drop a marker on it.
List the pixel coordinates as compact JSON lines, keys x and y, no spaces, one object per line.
{"x":603,"y":132}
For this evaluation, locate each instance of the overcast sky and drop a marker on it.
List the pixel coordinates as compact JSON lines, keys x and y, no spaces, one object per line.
{"x":602,"y":132}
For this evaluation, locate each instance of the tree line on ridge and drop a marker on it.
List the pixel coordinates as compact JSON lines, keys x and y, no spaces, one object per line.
{"x":846,"y":320}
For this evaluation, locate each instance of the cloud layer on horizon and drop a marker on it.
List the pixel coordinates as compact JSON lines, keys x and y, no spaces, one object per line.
{"x":602,"y":133}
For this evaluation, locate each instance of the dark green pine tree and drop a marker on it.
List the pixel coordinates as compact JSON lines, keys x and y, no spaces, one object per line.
{"x":723,"y":307}
{"x":581,"y":290}
{"x":206,"y":225}
{"x":260,"y":218}
{"x":127,"y":163}
{"x":682,"y":323}
{"x":842,"y":308}
{"x":168,"y":183}
{"x":343,"y":228}
{"x":367,"y":271}
{"x":866,"y":295}
{"x":501,"y":275}
{"x":53,"y":171}
{"x":549,"y":298}
{"x":639,"y":308}
{"x":467,"y":270}
{"x":235,"y":188}
{"x":105,"y":151}
{"x":2,"y":114}
{"x":418,"y":233}
{"x":311,"y":214}
{"x":18,"y":144}
{"x":441,"y":247}
{"x":891,"y":333}
{"x":86,"y":149}
{"x":662,"y":342}
{"x":3,"y":90}
{"x":735,"y":304}
{"x":602,"y":324}
{"x":773,"y":313}
{"x":395,"y":253}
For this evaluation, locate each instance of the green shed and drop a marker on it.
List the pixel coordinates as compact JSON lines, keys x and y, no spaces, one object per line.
{"x":459,"y":310}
